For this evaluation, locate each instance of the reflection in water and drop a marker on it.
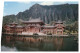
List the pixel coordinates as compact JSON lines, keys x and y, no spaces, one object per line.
{"x":39,"y":43}
{"x":3,"y":48}
{"x":58,"y":42}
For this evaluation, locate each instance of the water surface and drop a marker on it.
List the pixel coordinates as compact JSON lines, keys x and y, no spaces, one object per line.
{"x":40,"y":44}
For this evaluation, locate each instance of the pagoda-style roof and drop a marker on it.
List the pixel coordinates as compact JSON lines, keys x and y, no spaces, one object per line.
{"x":11,"y":26}
{"x":13,"y":23}
{"x":61,"y":26}
{"x":19,"y":26}
{"x":48,"y":26}
{"x":59,"y":22}
{"x":33,"y":21}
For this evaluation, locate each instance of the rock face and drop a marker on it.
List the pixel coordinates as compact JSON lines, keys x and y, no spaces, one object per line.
{"x":64,"y":12}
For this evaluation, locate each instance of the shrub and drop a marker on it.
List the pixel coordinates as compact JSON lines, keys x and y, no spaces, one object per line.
{"x":35,"y":34}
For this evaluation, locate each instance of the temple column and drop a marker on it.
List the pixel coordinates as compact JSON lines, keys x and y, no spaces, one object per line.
{"x":29,"y":29}
{"x":39,"y":29}
{"x":35,"y":29}
{"x":56,"y":32}
{"x":62,"y":32}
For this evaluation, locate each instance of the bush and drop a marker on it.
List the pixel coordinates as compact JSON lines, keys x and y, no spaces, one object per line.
{"x":35,"y":34}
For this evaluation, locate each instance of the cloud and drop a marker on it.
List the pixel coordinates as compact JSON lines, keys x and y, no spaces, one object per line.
{"x":47,"y":3}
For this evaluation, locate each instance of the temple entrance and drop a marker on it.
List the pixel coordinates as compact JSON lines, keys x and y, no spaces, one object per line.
{"x":59,"y":32}
{"x":33,"y":29}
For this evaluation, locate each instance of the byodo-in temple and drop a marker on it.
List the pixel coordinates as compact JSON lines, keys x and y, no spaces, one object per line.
{"x":34,"y":26}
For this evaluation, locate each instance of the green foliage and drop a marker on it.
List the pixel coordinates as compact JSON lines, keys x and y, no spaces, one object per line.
{"x":72,"y":28}
{"x":8,"y":19}
{"x":3,"y":30}
{"x":35,"y":34}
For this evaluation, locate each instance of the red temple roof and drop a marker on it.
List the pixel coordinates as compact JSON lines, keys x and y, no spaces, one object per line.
{"x":34,"y":21}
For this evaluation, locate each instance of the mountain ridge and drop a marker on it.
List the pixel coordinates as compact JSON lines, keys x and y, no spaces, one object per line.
{"x":64,"y":12}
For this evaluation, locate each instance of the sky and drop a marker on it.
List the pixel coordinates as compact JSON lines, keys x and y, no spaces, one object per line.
{"x":16,"y":7}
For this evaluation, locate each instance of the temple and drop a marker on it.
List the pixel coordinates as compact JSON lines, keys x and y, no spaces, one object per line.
{"x":35,"y":26}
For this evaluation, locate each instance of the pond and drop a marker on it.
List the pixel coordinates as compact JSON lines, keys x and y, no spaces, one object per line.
{"x":45,"y":43}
